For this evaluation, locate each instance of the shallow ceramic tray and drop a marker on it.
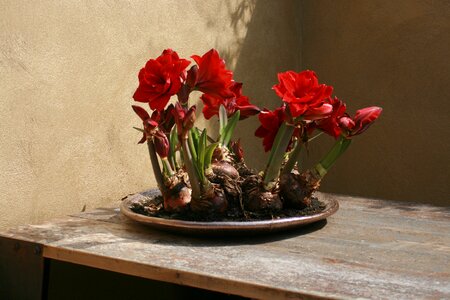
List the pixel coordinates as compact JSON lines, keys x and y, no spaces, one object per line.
{"x":220,"y":228}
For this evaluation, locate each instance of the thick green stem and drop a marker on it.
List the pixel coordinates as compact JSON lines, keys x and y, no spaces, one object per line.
{"x":330,"y":159}
{"x":156,"y":168}
{"x":166,"y":167}
{"x":190,"y":168}
{"x":227,"y":128}
{"x":223,"y":119}
{"x":280,"y":144}
{"x":173,"y":138}
{"x":172,"y":162}
{"x":293,"y":158}
{"x":192,"y":148}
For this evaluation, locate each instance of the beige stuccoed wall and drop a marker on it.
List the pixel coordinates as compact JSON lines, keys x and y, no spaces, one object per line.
{"x":394,"y":54}
{"x":68,"y":70}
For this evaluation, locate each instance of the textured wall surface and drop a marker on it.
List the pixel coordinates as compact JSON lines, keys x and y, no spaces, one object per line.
{"x":68,"y":71}
{"x":394,"y":54}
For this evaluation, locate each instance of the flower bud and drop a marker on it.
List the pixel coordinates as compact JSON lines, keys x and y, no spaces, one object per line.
{"x":161,"y":144}
{"x":364,"y":118}
{"x":167,"y":119}
{"x":237,"y":149}
{"x":183,"y":94}
{"x":346,"y":123}
{"x":189,"y":119}
{"x":192,"y":76}
{"x":178,"y":114}
{"x":149,"y":126}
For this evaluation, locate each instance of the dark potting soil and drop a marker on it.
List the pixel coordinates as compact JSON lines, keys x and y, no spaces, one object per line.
{"x":153,"y":207}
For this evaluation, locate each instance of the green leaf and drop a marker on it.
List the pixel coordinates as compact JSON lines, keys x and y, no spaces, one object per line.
{"x":277,"y":153}
{"x":223,"y":119}
{"x":330,"y":159}
{"x":192,"y":147}
{"x":276,"y":142}
{"x":201,"y":154}
{"x":195,"y":136}
{"x":229,"y":129}
{"x":173,"y":140}
{"x":294,"y":156}
{"x":209,"y":153}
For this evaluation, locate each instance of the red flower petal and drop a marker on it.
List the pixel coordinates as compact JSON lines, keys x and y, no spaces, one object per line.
{"x":270,"y":123}
{"x":331,"y":125}
{"x":213,"y":78}
{"x":160,"y":79}
{"x":301,"y":91}
{"x":142,"y":113}
{"x":317,"y":113}
{"x":232,"y":104}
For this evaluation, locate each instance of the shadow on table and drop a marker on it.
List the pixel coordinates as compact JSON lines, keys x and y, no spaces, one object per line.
{"x":261,"y":238}
{"x":155,"y":236}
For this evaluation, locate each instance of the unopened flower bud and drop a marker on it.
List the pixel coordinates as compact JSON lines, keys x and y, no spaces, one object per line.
{"x":149,"y":126}
{"x":346,"y":123}
{"x":189,"y":119}
{"x":192,"y":76}
{"x":364,"y":118}
{"x":237,"y":149}
{"x":183,"y":94}
{"x":161,"y":144}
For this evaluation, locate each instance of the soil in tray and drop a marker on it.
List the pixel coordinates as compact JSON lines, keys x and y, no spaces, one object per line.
{"x":153,"y":207}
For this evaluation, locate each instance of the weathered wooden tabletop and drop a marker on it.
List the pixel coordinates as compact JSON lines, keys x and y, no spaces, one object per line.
{"x":368,"y":249}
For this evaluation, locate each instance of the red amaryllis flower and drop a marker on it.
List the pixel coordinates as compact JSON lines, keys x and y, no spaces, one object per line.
{"x":150,"y":123}
{"x":160,"y":79}
{"x":231,"y":104}
{"x":303,"y":93}
{"x":212,"y":77}
{"x":363,"y":119}
{"x":270,"y":123}
{"x":161,"y":144}
{"x":332,"y":125}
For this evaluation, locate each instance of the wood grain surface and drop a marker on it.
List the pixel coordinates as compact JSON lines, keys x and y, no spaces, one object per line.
{"x":369,"y":249}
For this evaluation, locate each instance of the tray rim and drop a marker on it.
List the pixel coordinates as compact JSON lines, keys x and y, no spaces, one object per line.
{"x":176,"y":225}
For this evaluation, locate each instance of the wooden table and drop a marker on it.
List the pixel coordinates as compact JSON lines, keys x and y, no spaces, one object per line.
{"x":368,"y":249}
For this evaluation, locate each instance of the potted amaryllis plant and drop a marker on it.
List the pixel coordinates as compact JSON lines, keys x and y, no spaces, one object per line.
{"x":204,"y":177}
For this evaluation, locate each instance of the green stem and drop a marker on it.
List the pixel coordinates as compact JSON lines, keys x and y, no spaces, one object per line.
{"x":175,"y":161}
{"x":172,"y":162}
{"x":330,"y":159}
{"x":293,"y":158}
{"x":190,"y":168}
{"x":281,"y":142}
{"x":223,"y":119}
{"x":156,"y":168}
{"x":173,"y":141}
{"x":192,"y":147}
{"x":166,"y":167}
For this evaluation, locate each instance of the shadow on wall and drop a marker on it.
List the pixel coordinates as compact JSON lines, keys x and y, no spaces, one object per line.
{"x":271,"y":44}
{"x":390,"y":54}
{"x":393,"y":54}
